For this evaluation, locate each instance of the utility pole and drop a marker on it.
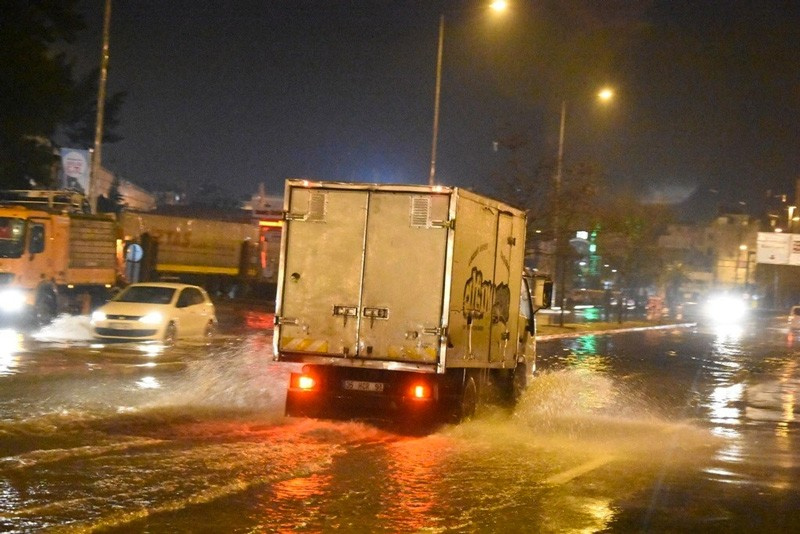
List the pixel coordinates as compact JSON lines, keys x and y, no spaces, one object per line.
{"x":437,"y":95}
{"x":558,"y":261}
{"x":101,"y":106}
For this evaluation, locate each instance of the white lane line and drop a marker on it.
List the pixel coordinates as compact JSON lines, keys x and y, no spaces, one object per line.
{"x":575,"y":472}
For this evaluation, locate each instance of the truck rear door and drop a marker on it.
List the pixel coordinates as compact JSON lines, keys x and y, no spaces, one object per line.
{"x":401,"y":308}
{"x":322,"y":271}
{"x":363,"y":274}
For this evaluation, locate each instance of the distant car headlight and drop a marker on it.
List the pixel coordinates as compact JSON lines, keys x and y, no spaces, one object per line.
{"x":726,"y":309}
{"x":98,"y":316}
{"x":152,"y":318}
{"x":12,"y":300}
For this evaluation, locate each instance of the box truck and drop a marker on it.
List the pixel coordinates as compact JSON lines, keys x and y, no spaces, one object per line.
{"x":403,"y":300}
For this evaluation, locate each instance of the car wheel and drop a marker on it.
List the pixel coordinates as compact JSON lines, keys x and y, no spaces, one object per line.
{"x":170,"y":334}
{"x":210,"y":330}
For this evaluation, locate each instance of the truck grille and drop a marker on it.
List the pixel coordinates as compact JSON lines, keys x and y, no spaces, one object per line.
{"x":123,"y":317}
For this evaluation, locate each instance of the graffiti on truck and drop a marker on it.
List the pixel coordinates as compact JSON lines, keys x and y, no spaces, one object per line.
{"x":482,"y":296}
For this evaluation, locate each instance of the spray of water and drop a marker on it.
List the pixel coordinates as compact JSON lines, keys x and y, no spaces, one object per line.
{"x":577,"y":412}
{"x":65,"y":328}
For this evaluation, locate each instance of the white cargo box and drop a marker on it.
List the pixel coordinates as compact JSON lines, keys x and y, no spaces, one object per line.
{"x":401,"y":277}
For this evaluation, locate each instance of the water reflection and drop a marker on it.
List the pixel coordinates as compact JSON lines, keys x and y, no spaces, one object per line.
{"x":148,"y":382}
{"x":583,"y":353}
{"x":413,"y":474}
{"x":10,"y":345}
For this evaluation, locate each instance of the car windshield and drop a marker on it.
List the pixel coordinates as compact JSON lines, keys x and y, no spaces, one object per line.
{"x":147,"y":295}
{"x":12,"y":237}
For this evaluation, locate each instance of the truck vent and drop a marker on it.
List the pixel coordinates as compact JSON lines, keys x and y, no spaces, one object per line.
{"x":420,"y":212}
{"x":316,"y":206}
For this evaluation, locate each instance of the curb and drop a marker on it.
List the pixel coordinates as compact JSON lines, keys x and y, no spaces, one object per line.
{"x":547,"y":337}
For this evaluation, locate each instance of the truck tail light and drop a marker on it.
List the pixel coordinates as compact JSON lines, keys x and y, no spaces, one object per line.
{"x":304,"y":382}
{"x":420,"y":390}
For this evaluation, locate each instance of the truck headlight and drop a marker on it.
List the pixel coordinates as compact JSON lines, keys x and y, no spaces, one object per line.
{"x":98,"y":316}
{"x":12,"y":300}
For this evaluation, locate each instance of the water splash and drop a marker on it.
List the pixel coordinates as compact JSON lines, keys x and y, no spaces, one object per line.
{"x":66,"y":328}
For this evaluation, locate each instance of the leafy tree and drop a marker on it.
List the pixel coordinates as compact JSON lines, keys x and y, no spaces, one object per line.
{"x":555,"y":210}
{"x":35,"y":86}
{"x":114,"y":202}
{"x":39,"y":93}
{"x":81,"y":114}
{"x":629,"y":239}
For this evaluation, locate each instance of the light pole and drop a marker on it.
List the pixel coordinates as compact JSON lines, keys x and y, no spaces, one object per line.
{"x":604,"y":95}
{"x":497,"y":6}
{"x":436,"y":97}
{"x":101,"y":105}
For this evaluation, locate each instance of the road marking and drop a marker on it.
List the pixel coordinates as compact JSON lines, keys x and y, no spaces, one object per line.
{"x":575,"y":472}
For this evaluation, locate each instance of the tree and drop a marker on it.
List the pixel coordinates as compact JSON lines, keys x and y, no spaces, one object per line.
{"x":81,"y":114}
{"x":39,"y":93}
{"x":629,"y":239}
{"x":35,"y":86}
{"x":555,"y":211}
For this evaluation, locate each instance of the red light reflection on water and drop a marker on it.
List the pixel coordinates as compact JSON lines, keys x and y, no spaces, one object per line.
{"x":414,"y":472}
{"x":260,"y":320}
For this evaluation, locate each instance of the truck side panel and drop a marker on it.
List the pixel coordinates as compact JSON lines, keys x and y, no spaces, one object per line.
{"x":192,"y":245}
{"x":92,"y":251}
{"x":487,"y":262}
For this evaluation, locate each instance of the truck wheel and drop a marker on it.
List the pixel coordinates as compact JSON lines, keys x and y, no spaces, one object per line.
{"x":468,"y":403}
{"x":170,"y":334}
{"x":45,"y":308}
{"x":519,"y":381}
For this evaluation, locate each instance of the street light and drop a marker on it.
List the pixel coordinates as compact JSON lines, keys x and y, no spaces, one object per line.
{"x":496,"y":6}
{"x":605,"y":94}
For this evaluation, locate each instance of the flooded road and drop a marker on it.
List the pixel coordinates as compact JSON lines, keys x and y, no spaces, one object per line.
{"x":667,"y":430}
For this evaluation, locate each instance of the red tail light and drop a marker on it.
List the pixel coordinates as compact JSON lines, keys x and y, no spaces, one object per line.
{"x":420,"y":390}
{"x":306,"y":382}
{"x":303,"y":382}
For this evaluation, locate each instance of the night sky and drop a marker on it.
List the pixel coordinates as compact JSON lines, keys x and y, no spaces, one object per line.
{"x":239,"y":93}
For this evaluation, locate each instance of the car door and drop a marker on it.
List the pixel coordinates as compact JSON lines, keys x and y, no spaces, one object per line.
{"x":192,"y":312}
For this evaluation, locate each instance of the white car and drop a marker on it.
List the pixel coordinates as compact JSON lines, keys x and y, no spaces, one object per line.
{"x":156,"y":311}
{"x":794,"y":318}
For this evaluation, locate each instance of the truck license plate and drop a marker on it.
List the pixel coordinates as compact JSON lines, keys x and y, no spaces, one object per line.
{"x":120,"y":326}
{"x":359,"y":385}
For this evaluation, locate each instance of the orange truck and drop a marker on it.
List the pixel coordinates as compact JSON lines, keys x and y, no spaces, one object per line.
{"x":53,"y":257}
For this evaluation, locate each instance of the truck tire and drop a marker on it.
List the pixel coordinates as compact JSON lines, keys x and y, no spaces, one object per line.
{"x":468,"y":401}
{"x":519,"y":382}
{"x":44,"y":310}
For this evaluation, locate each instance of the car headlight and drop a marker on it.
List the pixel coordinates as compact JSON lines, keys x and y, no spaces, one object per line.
{"x":152,"y":318}
{"x":726,"y":309}
{"x":12,"y":300}
{"x":98,"y":315}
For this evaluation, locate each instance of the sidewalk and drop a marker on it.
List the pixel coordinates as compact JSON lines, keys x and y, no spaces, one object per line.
{"x":548,"y":331}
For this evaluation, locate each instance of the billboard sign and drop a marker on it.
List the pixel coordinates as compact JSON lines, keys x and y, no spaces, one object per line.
{"x":76,"y":165}
{"x":774,"y":248}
